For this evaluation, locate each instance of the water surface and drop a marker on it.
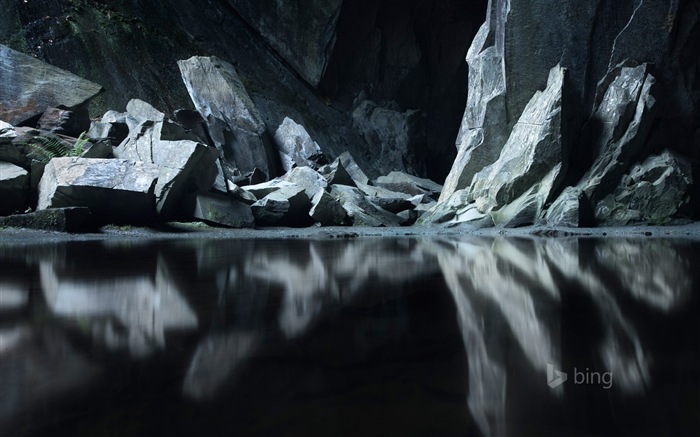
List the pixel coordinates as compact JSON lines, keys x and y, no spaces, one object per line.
{"x":371,"y":336}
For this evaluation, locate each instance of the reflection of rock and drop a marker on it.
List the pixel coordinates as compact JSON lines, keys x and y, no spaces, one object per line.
{"x":13,"y":296}
{"x":133,"y":312}
{"x":36,"y":370}
{"x":215,"y":361}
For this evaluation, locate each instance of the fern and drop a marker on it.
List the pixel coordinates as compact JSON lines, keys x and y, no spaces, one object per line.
{"x":44,"y":148}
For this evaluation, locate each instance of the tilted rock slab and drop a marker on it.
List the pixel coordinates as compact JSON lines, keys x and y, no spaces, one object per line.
{"x":14,"y":188}
{"x":295,"y":146}
{"x":120,"y":190}
{"x":29,"y":86}
{"x":234,"y":123}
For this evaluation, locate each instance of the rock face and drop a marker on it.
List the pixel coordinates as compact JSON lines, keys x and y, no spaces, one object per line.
{"x":117,"y":189}
{"x":302,"y":31}
{"x":613,"y":100}
{"x":29,"y":86}
{"x":234,"y":123}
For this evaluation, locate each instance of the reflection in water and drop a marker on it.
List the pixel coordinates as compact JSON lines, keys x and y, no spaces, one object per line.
{"x":214,"y":312}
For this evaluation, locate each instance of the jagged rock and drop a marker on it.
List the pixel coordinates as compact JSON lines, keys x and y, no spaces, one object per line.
{"x":14,"y":188}
{"x":351,"y":167}
{"x":115,"y":133}
{"x":326,"y":210}
{"x":56,"y":219}
{"x":218,"y":209}
{"x":296,"y":148}
{"x":287,"y":206}
{"x":400,"y":136}
{"x":98,"y":149}
{"x":566,"y":210}
{"x":310,"y":180}
{"x":653,"y":192}
{"x":485,"y":126}
{"x":619,"y":129}
{"x":234,"y":123}
{"x":263,"y":189}
{"x":336,"y":174}
{"x":409,"y":184}
{"x":455,"y":210}
{"x":116,"y":189}
{"x":241,"y":195}
{"x":28,"y":86}
{"x":64,"y":121}
{"x":391,"y":201}
{"x":138,"y":111}
{"x":360,"y":211}
{"x":303,"y":32}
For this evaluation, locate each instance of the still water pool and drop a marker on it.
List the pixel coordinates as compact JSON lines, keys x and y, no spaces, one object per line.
{"x":369,"y":336}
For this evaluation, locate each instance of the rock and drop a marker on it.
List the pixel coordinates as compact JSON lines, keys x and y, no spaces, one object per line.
{"x":386,"y":199}
{"x":326,"y":210}
{"x":218,"y":209}
{"x":115,"y":133}
{"x":360,"y":211}
{"x":409,"y":184}
{"x":99,"y":149}
{"x":455,"y":210}
{"x":14,"y":188}
{"x":303,"y":32}
{"x":263,"y":189}
{"x":288,"y":206}
{"x":618,"y":130}
{"x":308,"y":179}
{"x":352,"y":168}
{"x":533,"y":151}
{"x":241,"y":195}
{"x":63,"y":121}
{"x":72,"y":219}
{"x":566,"y":210}
{"x":13,"y":297}
{"x":138,"y":111}
{"x":234,"y":123}
{"x":118,"y":190}
{"x":336,"y":174}
{"x":28,"y":86}
{"x":400,"y":136}
{"x":296,"y":148}
{"x":654,"y":192}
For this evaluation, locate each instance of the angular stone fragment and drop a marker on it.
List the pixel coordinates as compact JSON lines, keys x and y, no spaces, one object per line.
{"x":119,"y":190}
{"x":653,"y":192}
{"x":28,"y":86}
{"x":73,"y":219}
{"x":296,"y":148}
{"x":409,"y":184}
{"x":310,"y":180}
{"x":566,"y":209}
{"x":14,"y":188}
{"x":234,"y":123}
{"x":326,"y":210}
{"x":352,"y":168}
{"x":288,"y":206}
{"x":64,"y":121}
{"x":360,"y":211}
{"x":219,"y":209}
{"x":336,"y":174}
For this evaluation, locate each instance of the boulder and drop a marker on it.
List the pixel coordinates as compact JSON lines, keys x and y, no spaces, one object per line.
{"x":310,"y":180}
{"x":64,"y":121}
{"x":409,"y":184}
{"x":361,"y":211}
{"x":98,"y":149}
{"x":118,"y":190}
{"x":73,"y":219}
{"x":351,"y":167}
{"x":295,"y":146}
{"x":241,"y":194}
{"x":28,"y":86}
{"x":400,"y":136}
{"x":654,"y":192}
{"x":534,"y":149}
{"x":115,"y":133}
{"x":302,"y":32}
{"x":234,"y":123}
{"x":386,"y":199}
{"x":618,"y":130}
{"x":336,"y":174}
{"x":326,"y":210}
{"x":287,"y":206}
{"x":218,"y":209}
{"x":263,"y":189}
{"x":14,"y":188}
{"x":566,"y":210}
{"x":455,"y":210}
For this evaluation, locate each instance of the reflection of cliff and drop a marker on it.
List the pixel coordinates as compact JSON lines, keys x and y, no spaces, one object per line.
{"x":238,"y":300}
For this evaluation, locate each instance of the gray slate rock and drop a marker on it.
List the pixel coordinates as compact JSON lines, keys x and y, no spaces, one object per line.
{"x":302,"y":32}
{"x":295,"y":146}
{"x":305,"y":177}
{"x":566,"y":210}
{"x":653,"y":192}
{"x":64,"y":121}
{"x":234,"y":123}
{"x":119,"y":190}
{"x":351,"y":167}
{"x":361,"y":211}
{"x":14,"y":188}
{"x":326,"y":210}
{"x":288,"y":206}
{"x":241,"y":194}
{"x":28,"y":86}
{"x":218,"y":209}
{"x":409,"y":184}
{"x":391,"y":201}
{"x":336,"y":174}
{"x":56,"y":219}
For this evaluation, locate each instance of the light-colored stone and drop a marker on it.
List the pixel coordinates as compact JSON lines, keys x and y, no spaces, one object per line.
{"x":326,"y":210}
{"x":14,"y":188}
{"x":295,"y":146}
{"x":287,"y":206}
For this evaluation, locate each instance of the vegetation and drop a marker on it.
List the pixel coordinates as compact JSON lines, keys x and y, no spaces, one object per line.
{"x":44,"y":148}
